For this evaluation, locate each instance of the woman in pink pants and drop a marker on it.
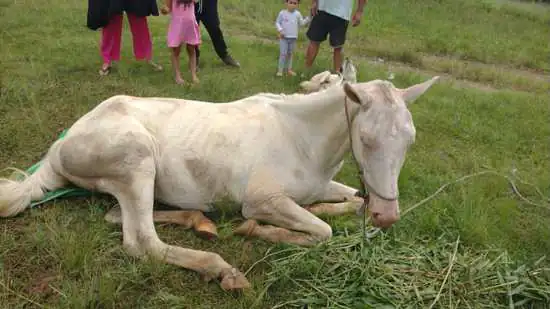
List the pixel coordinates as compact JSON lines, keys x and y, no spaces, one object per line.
{"x":107,"y":14}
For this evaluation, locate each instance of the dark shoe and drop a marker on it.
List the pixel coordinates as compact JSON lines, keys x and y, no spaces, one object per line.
{"x":231,"y":62}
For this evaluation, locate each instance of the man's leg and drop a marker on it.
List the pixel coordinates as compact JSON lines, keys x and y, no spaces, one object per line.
{"x":311,"y":53}
{"x":316,"y":33}
{"x":337,"y":59}
{"x":211,"y":21}
{"x":198,"y":16}
{"x":337,"y":41}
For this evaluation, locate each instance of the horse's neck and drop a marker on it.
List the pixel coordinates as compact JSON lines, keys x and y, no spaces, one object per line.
{"x":318,"y":125}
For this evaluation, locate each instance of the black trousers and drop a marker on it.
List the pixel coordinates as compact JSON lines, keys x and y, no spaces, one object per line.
{"x":208,"y":14}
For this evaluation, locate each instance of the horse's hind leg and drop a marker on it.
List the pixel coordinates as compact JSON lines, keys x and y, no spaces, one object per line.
{"x":122,"y":164}
{"x":195,"y":219}
{"x":136,"y":202}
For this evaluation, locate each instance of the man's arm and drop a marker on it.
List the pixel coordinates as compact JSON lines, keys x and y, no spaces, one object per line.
{"x":167,"y":7}
{"x":356,"y":20}
{"x":360,"y":6}
{"x":303,"y":20}
{"x":314,"y":6}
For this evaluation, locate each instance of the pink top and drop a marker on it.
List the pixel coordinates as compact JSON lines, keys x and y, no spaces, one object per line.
{"x":183,"y":28}
{"x":180,"y":10}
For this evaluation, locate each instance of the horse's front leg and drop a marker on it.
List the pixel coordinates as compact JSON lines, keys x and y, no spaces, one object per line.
{"x":338,"y":199}
{"x":287,"y":221}
{"x":290,"y":223}
{"x":336,"y":192}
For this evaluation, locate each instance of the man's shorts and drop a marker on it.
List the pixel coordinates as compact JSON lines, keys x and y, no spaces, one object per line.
{"x":323,"y":24}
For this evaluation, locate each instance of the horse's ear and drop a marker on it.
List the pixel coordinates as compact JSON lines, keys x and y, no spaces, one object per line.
{"x":353,"y":94}
{"x":412,"y":93}
{"x":349,"y":72}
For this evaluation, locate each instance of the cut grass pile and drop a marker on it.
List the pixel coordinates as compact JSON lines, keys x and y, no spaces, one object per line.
{"x":357,"y":270}
{"x":387,"y":272}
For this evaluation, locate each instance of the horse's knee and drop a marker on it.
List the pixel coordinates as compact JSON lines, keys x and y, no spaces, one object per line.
{"x":322,"y":232}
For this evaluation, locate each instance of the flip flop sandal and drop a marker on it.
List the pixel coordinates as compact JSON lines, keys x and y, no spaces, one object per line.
{"x":105,"y":71}
{"x":156,"y":67}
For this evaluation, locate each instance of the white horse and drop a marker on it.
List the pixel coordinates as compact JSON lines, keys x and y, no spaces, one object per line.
{"x":275,"y":155}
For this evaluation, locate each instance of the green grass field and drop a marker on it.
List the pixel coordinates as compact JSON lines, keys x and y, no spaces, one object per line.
{"x":477,"y":244}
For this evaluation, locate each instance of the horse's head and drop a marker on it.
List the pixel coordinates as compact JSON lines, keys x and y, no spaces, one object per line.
{"x":320,"y":81}
{"x":326,"y":79}
{"x":382,"y":131}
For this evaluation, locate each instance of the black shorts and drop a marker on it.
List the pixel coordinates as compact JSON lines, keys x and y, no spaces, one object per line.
{"x":323,"y":24}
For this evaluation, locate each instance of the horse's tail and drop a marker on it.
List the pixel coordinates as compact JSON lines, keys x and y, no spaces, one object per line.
{"x":17,"y":195}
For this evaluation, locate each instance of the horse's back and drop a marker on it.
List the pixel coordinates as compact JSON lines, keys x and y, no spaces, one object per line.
{"x":210,"y":149}
{"x":201,"y":150}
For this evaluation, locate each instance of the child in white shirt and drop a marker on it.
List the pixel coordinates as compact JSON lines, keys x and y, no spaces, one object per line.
{"x":287,"y":24}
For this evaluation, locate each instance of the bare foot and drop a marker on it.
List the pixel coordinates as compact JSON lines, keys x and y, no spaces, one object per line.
{"x":180,"y":80}
{"x":195,"y":80}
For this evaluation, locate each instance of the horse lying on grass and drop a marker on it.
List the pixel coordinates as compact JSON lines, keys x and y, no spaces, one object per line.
{"x":272,"y":154}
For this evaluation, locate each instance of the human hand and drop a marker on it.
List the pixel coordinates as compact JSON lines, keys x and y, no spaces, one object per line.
{"x":165,"y":10}
{"x":313,"y":9}
{"x":356,"y":19}
{"x":279,"y":35}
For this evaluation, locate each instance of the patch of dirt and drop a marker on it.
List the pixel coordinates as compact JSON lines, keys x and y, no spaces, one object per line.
{"x":528,"y":73}
{"x":402,"y":67}
{"x":13,"y":224}
{"x":396,"y":66}
{"x":246,"y":253}
{"x":41,"y":284}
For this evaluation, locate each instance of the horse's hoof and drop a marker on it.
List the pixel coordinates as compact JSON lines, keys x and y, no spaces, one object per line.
{"x":232,"y":279}
{"x":207,"y":230}
{"x":247,"y":228}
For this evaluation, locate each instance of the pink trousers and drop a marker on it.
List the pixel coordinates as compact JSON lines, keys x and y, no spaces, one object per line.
{"x":111,"y":36}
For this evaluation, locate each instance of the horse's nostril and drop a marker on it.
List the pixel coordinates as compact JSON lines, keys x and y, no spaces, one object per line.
{"x":375,"y":215}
